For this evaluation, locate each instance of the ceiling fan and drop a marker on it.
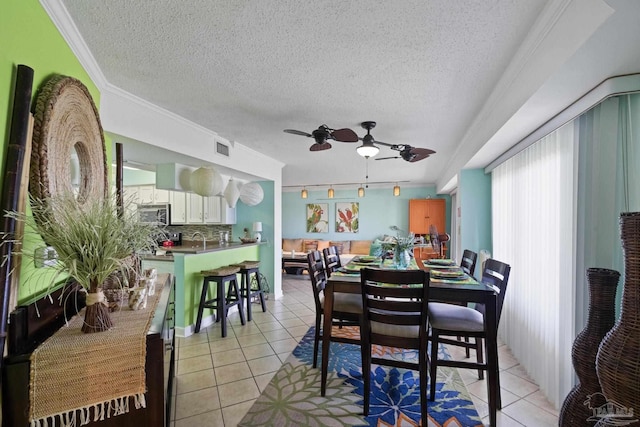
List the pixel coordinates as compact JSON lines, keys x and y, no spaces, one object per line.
{"x":407,"y":152}
{"x":325,"y":133}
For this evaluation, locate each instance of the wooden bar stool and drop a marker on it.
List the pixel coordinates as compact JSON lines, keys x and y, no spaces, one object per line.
{"x":222,"y":301}
{"x":247,"y":269}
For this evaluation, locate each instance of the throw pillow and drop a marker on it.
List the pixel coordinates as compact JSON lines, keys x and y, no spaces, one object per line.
{"x":289,"y":245}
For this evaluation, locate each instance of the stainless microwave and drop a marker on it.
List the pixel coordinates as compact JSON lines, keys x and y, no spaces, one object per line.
{"x":155,"y":214}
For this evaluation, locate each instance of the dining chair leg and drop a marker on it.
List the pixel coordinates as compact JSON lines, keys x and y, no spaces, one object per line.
{"x":422,"y":358}
{"x":365,"y":349}
{"x":316,"y":340}
{"x":433,"y":366}
{"x":479,"y":356}
{"x":466,"y":349}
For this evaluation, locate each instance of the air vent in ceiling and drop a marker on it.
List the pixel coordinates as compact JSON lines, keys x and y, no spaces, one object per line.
{"x":222,"y":149}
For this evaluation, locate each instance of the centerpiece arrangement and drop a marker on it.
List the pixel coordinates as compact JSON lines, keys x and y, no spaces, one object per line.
{"x":93,"y":241}
{"x":400,"y":247}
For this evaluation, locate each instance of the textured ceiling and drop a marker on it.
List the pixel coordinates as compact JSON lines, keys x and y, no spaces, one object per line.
{"x":249,"y":69}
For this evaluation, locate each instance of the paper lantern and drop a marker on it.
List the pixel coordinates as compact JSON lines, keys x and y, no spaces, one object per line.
{"x":231,"y":193}
{"x":206,"y":182}
{"x":251,"y":194}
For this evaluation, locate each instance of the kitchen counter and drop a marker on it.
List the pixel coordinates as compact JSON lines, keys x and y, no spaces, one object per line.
{"x":189,"y":249}
{"x":186,"y":264}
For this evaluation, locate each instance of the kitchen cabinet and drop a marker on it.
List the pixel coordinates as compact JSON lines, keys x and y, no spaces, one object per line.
{"x":195,"y":209}
{"x":209,"y":210}
{"x":160,"y":195}
{"x":145,"y":194}
{"x":178,"y":201}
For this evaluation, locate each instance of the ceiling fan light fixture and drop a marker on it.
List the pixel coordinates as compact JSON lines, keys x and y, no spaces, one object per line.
{"x":304,"y":193}
{"x":367,"y":150}
{"x":330,"y":193}
{"x":360,"y":191}
{"x":396,"y":190}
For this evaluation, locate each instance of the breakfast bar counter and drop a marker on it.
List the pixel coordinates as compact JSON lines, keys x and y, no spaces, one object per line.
{"x":186,"y":262}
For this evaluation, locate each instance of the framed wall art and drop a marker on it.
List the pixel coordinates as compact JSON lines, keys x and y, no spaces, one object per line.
{"x":317,"y":218}
{"x":347,"y":217}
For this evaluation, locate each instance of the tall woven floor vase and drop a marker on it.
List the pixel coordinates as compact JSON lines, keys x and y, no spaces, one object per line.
{"x":603,"y":284}
{"x":618,"y":360}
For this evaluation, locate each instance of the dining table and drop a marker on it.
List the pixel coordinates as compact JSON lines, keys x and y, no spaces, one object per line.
{"x":464,"y":290}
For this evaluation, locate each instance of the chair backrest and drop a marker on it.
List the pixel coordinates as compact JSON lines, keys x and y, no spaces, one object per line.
{"x":387,"y":300}
{"x":318,"y":276}
{"x":331,"y":259}
{"x":468,"y":263}
{"x":496,"y":274}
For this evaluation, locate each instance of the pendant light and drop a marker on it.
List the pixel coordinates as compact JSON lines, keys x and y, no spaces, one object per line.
{"x":360,"y":191}
{"x":330,"y":193}
{"x":396,"y":190}
{"x":304,"y":193}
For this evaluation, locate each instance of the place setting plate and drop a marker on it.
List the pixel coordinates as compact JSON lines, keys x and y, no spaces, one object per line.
{"x":448,"y":274}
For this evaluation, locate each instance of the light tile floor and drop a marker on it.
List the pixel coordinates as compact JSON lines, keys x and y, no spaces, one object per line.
{"x":218,"y":379}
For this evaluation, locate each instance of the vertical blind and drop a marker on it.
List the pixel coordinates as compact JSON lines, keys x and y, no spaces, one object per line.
{"x":556,"y":213}
{"x":534,"y":206}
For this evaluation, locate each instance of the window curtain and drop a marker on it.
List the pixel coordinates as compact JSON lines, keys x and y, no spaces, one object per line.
{"x":534,"y":206}
{"x":556,"y":209}
{"x":609,"y":184}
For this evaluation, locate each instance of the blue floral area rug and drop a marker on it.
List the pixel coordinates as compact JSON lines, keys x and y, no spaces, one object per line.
{"x":292,"y":398}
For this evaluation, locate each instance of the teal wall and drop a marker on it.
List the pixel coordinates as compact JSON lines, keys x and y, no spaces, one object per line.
{"x":264,"y":212}
{"x":474,"y":198}
{"x":379,"y":210}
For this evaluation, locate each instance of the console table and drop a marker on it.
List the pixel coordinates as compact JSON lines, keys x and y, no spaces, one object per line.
{"x":28,"y":330}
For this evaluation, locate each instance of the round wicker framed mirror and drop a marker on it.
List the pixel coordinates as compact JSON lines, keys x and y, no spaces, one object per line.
{"x":68,"y":153}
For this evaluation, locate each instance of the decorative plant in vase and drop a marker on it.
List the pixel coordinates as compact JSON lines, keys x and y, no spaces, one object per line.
{"x":401,"y":245}
{"x":92,"y":242}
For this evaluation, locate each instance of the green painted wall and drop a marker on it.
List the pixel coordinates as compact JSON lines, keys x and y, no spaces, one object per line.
{"x":474,"y":192}
{"x":379,"y":210}
{"x":27,"y":36}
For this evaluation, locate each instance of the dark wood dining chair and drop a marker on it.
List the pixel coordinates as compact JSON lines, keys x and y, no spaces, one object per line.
{"x":468,"y":263}
{"x":448,"y":320}
{"x":346,"y":307}
{"x":394,"y":316}
{"x":331,"y":259}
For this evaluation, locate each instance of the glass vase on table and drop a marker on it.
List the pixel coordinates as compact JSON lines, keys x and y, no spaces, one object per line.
{"x":401,"y":258}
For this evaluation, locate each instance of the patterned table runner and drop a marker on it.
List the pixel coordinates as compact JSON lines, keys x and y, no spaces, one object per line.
{"x":72,"y":372}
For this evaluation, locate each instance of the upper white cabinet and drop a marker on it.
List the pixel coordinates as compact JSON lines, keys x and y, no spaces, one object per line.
{"x":146,"y":194}
{"x":186,"y":208}
{"x":195,"y":209}
{"x":209,"y":210}
{"x":178,"y":201}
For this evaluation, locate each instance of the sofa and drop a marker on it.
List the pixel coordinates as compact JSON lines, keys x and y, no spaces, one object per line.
{"x":346,"y":248}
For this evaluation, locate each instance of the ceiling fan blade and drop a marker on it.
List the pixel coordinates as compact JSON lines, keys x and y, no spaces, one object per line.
{"x":320,"y":147}
{"x":298,"y":132}
{"x":387,"y":158}
{"x":420,"y":154}
{"x":344,"y":135}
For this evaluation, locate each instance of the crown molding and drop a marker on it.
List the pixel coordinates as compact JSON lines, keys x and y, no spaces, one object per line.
{"x":115,"y":91}
{"x":62,"y":20}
